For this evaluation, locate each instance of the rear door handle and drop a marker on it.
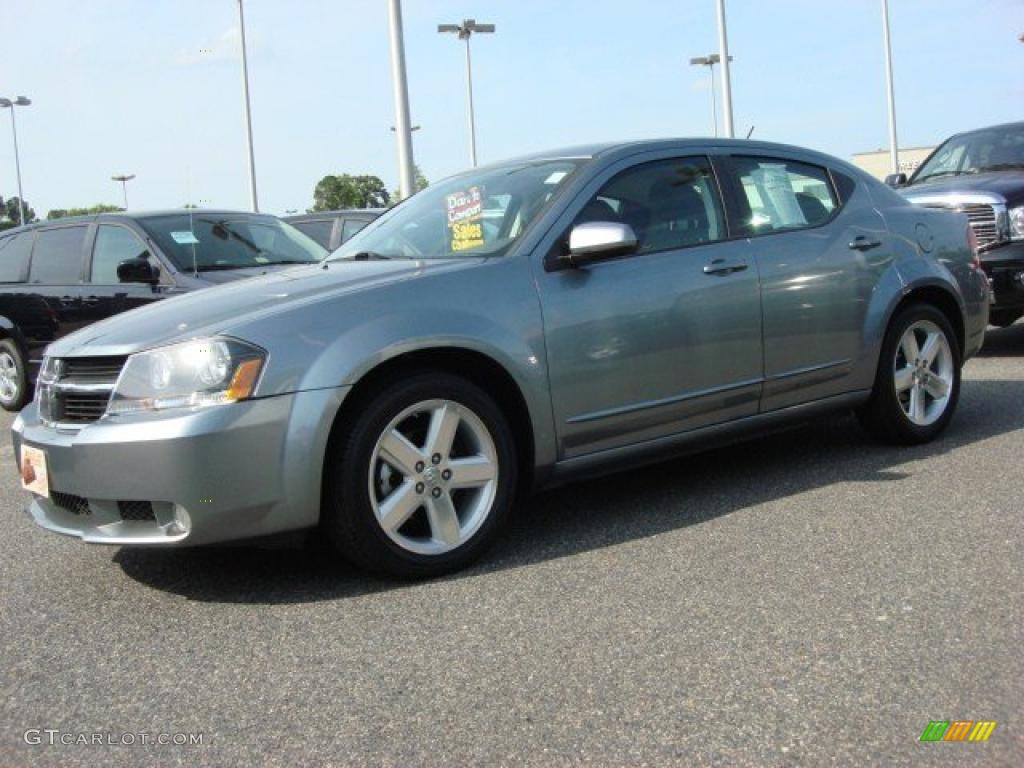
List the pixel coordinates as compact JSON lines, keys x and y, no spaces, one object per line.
{"x":91,"y":299}
{"x":723,"y":267}
{"x":863,"y":243}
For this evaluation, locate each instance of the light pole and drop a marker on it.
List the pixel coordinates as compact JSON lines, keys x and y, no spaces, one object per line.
{"x":124,"y":179}
{"x":466,"y":30}
{"x":403,"y":132}
{"x":725,"y":58}
{"x":894,"y":158}
{"x":709,"y":61}
{"x":248,"y":115}
{"x":21,"y":101}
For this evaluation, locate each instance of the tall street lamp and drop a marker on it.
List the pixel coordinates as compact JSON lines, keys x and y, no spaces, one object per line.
{"x":124,"y":179}
{"x":465,"y":30}
{"x":21,"y":101}
{"x":894,"y":159}
{"x":724,"y":59}
{"x":709,"y":61}
{"x":248,"y":114}
{"x":403,"y":132}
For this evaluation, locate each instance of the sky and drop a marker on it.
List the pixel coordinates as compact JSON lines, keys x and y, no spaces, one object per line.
{"x":153,"y":87}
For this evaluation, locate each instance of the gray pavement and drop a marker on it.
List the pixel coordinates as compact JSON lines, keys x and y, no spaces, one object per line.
{"x":807,"y":598}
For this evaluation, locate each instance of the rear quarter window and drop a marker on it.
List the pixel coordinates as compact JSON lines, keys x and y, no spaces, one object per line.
{"x":14,"y":252}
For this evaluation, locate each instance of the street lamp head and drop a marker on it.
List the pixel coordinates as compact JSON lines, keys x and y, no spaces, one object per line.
{"x":22,"y":101}
{"x":4,"y":103}
{"x":466,"y":28}
{"x":123,"y":179}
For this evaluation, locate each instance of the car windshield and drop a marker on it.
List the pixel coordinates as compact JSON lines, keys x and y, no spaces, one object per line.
{"x":476,"y":214}
{"x":993,"y":149}
{"x":209,"y":241}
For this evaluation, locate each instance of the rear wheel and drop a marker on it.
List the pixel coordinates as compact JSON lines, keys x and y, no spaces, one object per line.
{"x":14,"y":388}
{"x":420,"y":482}
{"x":918,"y":381}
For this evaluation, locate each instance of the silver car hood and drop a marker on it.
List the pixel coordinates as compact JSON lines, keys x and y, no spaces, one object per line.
{"x":218,"y":309}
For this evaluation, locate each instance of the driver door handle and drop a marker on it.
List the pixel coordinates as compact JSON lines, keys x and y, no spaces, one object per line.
{"x":864,"y":243}
{"x":724,"y":267}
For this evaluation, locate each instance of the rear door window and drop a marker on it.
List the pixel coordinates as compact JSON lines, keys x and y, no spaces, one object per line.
{"x":352,"y":226}
{"x":14,"y":251}
{"x":319,"y":229}
{"x":776,"y":194}
{"x":114,"y":244}
{"x":57,"y":256}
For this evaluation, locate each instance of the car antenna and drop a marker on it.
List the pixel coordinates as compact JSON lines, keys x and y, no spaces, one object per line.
{"x":750,"y":131}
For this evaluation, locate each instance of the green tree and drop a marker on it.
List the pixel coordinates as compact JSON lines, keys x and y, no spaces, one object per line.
{"x":9,"y":213}
{"x":421,"y":184}
{"x":346,"y":191}
{"x":60,"y":213}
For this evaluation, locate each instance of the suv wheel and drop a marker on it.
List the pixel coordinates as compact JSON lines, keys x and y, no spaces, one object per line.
{"x":918,"y":381}
{"x":419,"y":484}
{"x":14,"y":388}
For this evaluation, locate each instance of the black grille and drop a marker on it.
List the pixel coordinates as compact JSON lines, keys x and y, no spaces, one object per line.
{"x":78,"y":408}
{"x":93,"y":368}
{"x":136,"y":510}
{"x":76,"y":505}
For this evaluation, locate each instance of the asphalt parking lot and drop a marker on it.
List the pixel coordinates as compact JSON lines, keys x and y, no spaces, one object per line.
{"x":808,"y":598}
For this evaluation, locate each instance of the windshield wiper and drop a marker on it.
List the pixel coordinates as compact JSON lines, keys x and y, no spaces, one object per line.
{"x":1002,"y":167}
{"x":287,"y":261}
{"x":937,"y":174}
{"x":370,"y":256}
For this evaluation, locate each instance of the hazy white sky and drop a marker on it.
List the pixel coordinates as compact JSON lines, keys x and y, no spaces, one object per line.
{"x":152,"y":87}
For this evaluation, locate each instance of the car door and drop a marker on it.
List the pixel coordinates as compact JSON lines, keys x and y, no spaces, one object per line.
{"x":661,"y":341}
{"x":322,"y":230}
{"x":352,"y":225}
{"x":53,"y":295}
{"x":103,"y":293}
{"x":820,"y":248}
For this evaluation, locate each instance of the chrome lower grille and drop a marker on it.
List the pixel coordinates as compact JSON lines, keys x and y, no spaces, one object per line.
{"x":76,"y":390}
{"x":981,"y":216}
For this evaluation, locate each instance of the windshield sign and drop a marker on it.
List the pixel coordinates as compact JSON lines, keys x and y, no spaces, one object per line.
{"x":480,"y":214}
{"x":208,"y":242}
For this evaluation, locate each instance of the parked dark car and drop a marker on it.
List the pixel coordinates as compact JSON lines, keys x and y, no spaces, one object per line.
{"x":521,"y":324}
{"x":59,"y":276}
{"x":332,"y":228}
{"x":981,"y":173}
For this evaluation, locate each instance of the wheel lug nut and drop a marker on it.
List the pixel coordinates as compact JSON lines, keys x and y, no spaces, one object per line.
{"x":419,"y":487}
{"x":419,"y":466}
{"x":436,"y":458}
{"x":447,"y":474}
{"x":436,"y":493}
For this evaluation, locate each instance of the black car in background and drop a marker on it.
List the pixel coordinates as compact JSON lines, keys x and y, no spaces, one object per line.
{"x":981,"y":173}
{"x":58,"y":276}
{"x":332,"y":228}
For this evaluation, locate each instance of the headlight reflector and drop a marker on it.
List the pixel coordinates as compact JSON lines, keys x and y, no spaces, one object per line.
{"x":194,"y":373}
{"x":1016,"y":216}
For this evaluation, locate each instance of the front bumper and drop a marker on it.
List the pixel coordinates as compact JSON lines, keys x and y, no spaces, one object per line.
{"x":216,"y":474}
{"x":1005,"y":268}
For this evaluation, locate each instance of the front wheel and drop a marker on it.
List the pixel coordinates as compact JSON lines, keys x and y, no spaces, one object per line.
{"x":420,"y":482}
{"x":14,"y":387}
{"x":918,"y":381}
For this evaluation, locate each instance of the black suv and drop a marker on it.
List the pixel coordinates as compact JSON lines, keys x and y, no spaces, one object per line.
{"x":332,"y":228}
{"x":58,"y":276}
{"x":981,"y":173}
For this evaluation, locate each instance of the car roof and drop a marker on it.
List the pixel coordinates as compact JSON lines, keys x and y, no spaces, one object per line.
{"x":1000,"y":127}
{"x":132,"y":215}
{"x":339,"y":212}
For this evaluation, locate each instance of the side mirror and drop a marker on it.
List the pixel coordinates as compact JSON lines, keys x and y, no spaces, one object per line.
{"x":596,"y":240}
{"x":896,"y":179}
{"x":138,"y":270}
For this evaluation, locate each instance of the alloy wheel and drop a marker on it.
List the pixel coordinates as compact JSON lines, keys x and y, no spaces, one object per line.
{"x":9,"y":378}
{"x":923,"y":372}
{"x":433,"y":477}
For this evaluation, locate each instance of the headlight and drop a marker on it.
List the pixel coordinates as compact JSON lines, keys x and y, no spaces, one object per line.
{"x":1016,"y":216}
{"x":196,"y":373}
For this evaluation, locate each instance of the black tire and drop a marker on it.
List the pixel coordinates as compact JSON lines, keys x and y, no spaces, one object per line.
{"x":347,"y":516}
{"x":883,"y":416}
{"x":1004,"y":318}
{"x":10,"y":354}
